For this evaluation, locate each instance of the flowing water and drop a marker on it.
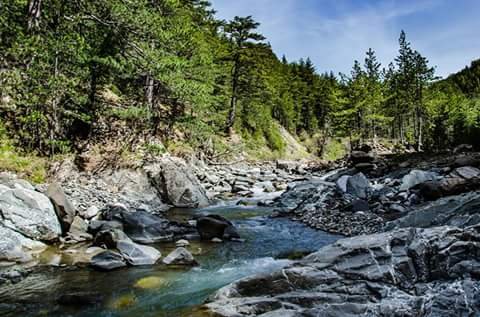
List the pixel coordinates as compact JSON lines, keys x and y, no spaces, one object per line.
{"x":165,"y":291}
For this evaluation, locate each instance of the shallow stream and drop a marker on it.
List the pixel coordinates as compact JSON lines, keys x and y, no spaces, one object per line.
{"x":164,"y":291}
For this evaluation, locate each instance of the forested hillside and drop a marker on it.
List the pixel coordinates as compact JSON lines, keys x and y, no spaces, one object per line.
{"x":171,"y":70}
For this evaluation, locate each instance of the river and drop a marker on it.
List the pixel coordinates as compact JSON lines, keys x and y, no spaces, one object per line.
{"x":164,"y":291}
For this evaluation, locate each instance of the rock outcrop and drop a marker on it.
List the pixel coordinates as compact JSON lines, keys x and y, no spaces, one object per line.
{"x":178,"y":184}
{"x":461,"y":211}
{"x":408,"y":272}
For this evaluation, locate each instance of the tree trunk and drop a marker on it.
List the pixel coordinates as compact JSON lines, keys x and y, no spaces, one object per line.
{"x":233,"y":99}
{"x":34,"y":13}
{"x":54,"y":129}
{"x":149,"y":85}
{"x":420,"y":134}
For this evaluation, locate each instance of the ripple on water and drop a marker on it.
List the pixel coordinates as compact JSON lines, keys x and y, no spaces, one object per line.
{"x":161,"y":291}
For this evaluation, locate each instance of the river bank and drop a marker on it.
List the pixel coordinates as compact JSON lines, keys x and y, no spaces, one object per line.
{"x":169,"y":234}
{"x":414,"y":251}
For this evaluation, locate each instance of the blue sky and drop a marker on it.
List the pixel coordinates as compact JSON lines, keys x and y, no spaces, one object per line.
{"x":335,"y":32}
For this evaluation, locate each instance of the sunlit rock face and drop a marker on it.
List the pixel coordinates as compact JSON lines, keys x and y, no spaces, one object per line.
{"x":30,"y":213}
{"x":407,"y":272}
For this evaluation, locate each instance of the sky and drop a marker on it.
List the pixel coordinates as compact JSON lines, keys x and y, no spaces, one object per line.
{"x":333,"y":33}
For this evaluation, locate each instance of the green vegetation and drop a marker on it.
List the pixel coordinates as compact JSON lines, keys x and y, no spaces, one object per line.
{"x":30,"y":166}
{"x":169,"y":70}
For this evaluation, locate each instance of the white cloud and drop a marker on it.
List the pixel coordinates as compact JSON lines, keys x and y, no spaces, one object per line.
{"x":335,"y":32}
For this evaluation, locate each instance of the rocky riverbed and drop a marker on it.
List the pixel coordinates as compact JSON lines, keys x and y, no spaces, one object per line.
{"x":415,"y":250}
{"x":414,"y":222}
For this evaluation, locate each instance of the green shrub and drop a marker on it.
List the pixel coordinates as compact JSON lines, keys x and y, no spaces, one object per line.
{"x":274,"y":139}
{"x":155,"y":149}
{"x":334,"y":149}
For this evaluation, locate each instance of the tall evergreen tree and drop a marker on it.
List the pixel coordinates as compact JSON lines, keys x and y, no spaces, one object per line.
{"x":241,"y":33}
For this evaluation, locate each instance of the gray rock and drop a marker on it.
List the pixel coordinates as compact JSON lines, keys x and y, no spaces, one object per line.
{"x":467,"y":172}
{"x":78,"y":230}
{"x":15,"y":275}
{"x":63,"y":207}
{"x":460,"y":211}
{"x":141,"y":226}
{"x":358,"y":186}
{"x":466,"y":160}
{"x":239,"y":187}
{"x":214,"y":226}
{"x":90,"y":212}
{"x":409,"y":272}
{"x":416,"y":177}
{"x":267,"y":186}
{"x":397,"y":208}
{"x":180,"y":256}
{"x":107,"y":261}
{"x":136,"y":254}
{"x":14,"y":247}
{"x":341,"y":183}
{"x":4,"y":188}
{"x":30,"y":213}
{"x":178,"y":184}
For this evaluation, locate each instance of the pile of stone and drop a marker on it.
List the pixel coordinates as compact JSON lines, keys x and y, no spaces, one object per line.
{"x":352,"y":202}
{"x":223,"y":181}
{"x":156,"y":187}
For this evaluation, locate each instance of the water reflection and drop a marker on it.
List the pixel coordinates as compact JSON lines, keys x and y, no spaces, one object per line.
{"x":163,"y":291}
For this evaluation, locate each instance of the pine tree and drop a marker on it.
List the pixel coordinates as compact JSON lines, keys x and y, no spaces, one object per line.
{"x":240,"y":32}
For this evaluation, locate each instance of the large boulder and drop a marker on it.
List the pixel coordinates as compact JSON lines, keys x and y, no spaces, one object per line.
{"x":141,"y":226}
{"x":132,"y":253}
{"x":178,"y":184}
{"x":136,"y":254}
{"x":215,"y":226}
{"x":358,"y":186}
{"x":410,"y":272}
{"x":452,"y":185}
{"x":416,"y":177}
{"x":135,"y":188}
{"x":30,"y":213}
{"x":180,"y":256}
{"x":63,"y":207}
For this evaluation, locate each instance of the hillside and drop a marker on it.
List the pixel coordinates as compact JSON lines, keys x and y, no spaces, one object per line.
{"x":122,"y":79}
